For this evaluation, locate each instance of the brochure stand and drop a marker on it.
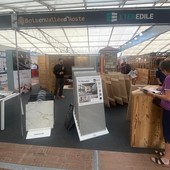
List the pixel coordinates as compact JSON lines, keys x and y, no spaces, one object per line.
{"x":89,"y":108}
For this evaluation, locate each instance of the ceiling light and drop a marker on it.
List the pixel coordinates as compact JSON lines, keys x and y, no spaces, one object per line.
{"x":135,"y":38}
{"x":141,"y":34}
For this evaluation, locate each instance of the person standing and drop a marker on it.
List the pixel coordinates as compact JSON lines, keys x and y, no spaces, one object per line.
{"x":160,"y":77}
{"x":133,"y":75}
{"x":59,"y":71}
{"x":165,"y":104}
{"x":125,"y":68}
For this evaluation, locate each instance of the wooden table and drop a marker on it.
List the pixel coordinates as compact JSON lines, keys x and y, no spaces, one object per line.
{"x":146,"y":121}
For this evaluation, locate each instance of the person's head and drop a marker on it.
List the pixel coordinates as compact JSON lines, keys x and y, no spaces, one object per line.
{"x":158,"y":62}
{"x":60,"y":61}
{"x":165,"y":67}
{"x":132,"y":67}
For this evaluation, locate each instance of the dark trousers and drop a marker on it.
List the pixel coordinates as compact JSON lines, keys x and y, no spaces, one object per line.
{"x":166,"y":125}
{"x":59,"y":84}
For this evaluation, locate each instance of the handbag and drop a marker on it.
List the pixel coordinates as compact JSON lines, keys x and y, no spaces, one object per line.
{"x":156,"y":101}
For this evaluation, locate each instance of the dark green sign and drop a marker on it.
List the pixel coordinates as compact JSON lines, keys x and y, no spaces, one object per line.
{"x":5,"y":21}
{"x":94,"y":18}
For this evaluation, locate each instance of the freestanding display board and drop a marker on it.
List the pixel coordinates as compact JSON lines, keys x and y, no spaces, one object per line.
{"x":81,"y":70}
{"x":89,"y":108}
{"x":24,"y":70}
{"x":3,"y":72}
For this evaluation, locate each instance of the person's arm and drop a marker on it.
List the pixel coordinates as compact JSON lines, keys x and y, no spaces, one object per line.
{"x":158,"y":81}
{"x":165,"y":96}
{"x":57,"y":70}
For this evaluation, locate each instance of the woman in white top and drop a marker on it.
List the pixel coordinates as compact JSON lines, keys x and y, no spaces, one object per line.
{"x":133,"y":75}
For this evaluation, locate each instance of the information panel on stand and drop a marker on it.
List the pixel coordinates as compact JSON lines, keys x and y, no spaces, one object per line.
{"x":89,"y":90}
{"x":89,"y":112}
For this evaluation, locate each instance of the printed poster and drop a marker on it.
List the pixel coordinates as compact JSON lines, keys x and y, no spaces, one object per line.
{"x":25,"y":80}
{"x":24,"y":71}
{"x":89,"y":90}
{"x":3,"y":72}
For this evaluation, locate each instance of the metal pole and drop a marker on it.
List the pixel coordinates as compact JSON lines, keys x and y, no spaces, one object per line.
{"x":16,"y":42}
{"x":19,"y":86}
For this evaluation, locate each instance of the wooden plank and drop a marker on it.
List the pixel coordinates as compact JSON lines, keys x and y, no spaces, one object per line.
{"x":110,"y":92}
{"x":116,"y":90}
{"x":129,"y":110}
{"x":123,"y":88}
{"x":128,"y":84}
{"x":42,"y":71}
{"x":105,"y":93}
{"x":146,"y":130}
{"x":143,"y":75}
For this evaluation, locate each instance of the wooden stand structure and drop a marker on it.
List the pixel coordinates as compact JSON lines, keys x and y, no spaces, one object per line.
{"x":116,"y":88}
{"x":146,"y":128}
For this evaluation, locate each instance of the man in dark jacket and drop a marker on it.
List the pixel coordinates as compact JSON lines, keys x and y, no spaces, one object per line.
{"x":59,"y":71}
{"x":125,"y":68}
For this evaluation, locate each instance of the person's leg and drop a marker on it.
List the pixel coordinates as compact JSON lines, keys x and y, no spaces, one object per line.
{"x":61,"y":87}
{"x":166,"y":132}
{"x":165,"y":159}
{"x":133,"y":81}
{"x":167,"y":150}
{"x":56,"y":87}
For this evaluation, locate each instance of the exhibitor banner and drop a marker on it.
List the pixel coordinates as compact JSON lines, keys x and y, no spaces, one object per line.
{"x":107,"y":17}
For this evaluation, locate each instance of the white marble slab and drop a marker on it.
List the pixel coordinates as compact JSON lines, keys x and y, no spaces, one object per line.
{"x":40,"y":114}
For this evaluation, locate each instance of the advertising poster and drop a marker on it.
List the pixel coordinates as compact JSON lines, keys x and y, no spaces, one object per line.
{"x":24,"y":60}
{"x":24,"y":71}
{"x":25,"y":80}
{"x":89,"y":90}
{"x":3,"y":72}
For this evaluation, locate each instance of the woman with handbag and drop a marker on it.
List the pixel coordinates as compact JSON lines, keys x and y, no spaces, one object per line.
{"x":165,"y":104}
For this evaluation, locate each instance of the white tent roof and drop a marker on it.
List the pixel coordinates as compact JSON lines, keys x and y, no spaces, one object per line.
{"x":84,"y":39}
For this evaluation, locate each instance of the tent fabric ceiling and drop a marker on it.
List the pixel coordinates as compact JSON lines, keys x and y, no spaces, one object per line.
{"x":84,"y":39}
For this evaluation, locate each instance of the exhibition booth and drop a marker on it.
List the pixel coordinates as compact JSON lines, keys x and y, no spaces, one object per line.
{"x":92,"y":89}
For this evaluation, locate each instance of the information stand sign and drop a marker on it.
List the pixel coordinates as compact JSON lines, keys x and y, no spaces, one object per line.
{"x":89,"y":107}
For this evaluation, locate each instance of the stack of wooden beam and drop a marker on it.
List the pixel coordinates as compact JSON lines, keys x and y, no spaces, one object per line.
{"x":116,"y":88}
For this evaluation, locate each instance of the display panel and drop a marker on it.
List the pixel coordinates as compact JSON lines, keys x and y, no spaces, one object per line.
{"x":89,"y":90}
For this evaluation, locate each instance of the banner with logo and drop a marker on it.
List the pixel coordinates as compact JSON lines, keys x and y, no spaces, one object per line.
{"x":94,"y":18}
